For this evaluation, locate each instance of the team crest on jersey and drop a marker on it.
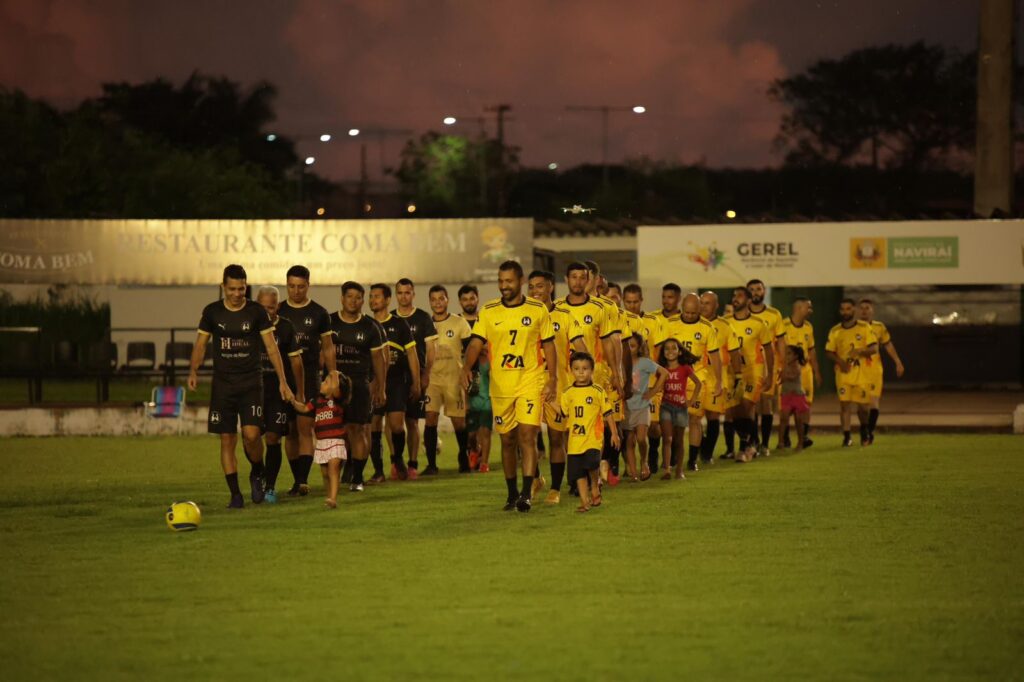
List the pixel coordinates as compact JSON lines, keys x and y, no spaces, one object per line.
{"x":245,"y":326}
{"x":308,"y":321}
{"x":697,"y":336}
{"x":749,"y":331}
{"x":587,"y":319}
{"x":590,"y":401}
{"x":558,"y":327}
{"x":498,"y":421}
{"x":858,"y":337}
{"x":527,"y":321}
{"x":449,"y":333}
{"x":214,"y":417}
{"x":360,"y":336}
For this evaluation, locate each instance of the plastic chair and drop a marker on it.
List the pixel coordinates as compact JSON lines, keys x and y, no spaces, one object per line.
{"x":65,"y":357}
{"x":141,"y":356}
{"x":167,"y":402}
{"x":178,"y":354}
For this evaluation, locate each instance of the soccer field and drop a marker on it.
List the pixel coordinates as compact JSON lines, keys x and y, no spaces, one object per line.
{"x":900,"y":561}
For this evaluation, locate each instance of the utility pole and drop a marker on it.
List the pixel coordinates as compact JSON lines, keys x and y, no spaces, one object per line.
{"x":604,"y":110}
{"x":499,"y":110}
{"x":994,"y":163}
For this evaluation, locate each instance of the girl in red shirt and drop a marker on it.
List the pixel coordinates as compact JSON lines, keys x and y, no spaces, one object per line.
{"x":674,"y":418}
{"x":329,"y":428}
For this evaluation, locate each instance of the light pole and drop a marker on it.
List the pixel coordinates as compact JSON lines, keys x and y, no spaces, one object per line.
{"x":482,"y":154}
{"x":303,"y":163}
{"x":605,"y":110}
{"x":380,"y":134}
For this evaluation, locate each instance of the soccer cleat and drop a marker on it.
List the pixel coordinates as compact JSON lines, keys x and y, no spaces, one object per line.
{"x":474,"y":460}
{"x":270,"y":496}
{"x":667,"y":476}
{"x":763,"y":451}
{"x":537,"y":486}
{"x":484,"y":467}
{"x":429,"y":470}
{"x":411,"y":474}
{"x":237,"y":502}
{"x":554,"y":497}
{"x":256,"y":488}
{"x":848,"y":442}
{"x":808,"y":443}
{"x":356,"y":488}
{"x":377,"y":479}
{"x":692,"y":466}
{"x":523,"y":504}
{"x":605,"y":469}
{"x":510,"y":504}
{"x":294,"y":491}
{"x":613,"y":479}
{"x":680,"y":476}
{"x":727,"y":455}
{"x":394,"y":473}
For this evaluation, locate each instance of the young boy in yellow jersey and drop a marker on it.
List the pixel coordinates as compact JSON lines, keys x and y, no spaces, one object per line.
{"x":453,"y":334}
{"x":849,"y":343}
{"x":587,"y":413}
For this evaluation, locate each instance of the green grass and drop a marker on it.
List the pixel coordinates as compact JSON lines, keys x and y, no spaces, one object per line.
{"x":122,"y":390}
{"x":902,"y":561}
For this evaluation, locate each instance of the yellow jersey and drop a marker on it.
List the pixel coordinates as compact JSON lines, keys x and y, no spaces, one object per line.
{"x":616,"y":314}
{"x":872,"y":366}
{"x":801,"y":336}
{"x":727,"y":344}
{"x":515,"y":336}
{"x":843,"y":341}
{"x":452,"y":333}
{"x":634,"y":323}
{"x":772,"y":318}
{"x":697,"y":337}
{"x":595,"y":324}
{"x":653,"y":331}
{"x":585,"y":409}
{"x":567,"y":330}
{"x":751,"y":335}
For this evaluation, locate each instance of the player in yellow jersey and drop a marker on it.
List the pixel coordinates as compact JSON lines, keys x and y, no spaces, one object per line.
{"x":872,"y":369}
{"x":612,"y":455}
{"x":588,"y":412}
{"x":695,"y":334}
{"x":444,"y":390}
{"x":715,"y":401}
{"x":798,"y":331}
{"x":568,"y":337}
{"x":757,"y":363}
{"x":653,"y":334}
{"x":773,"y":318}
{"x":520,"y":345}
{"x":849,"y":344}
{"x":671,"y":295}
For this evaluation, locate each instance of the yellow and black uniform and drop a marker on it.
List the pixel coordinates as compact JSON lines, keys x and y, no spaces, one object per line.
{"x":595,"y":324}
{"x":236,"y":341}
{"x":653,"y":334}
{"x":699,"y":338}
{"x":567,"y":330}
{"x":277,"y":413}
{"x":400,"y":345}
{"x":872,"y":370}
{"x":727,"y":344}
{"x":772,"y":317}
{"x":802,"y":336}
{"x":751,"y":334}
{"x":585,"y":408}
{"x":444,"y":389}
{"x":618,"y":322}
{"x":515,"y":336}
{"x":843,"y":341}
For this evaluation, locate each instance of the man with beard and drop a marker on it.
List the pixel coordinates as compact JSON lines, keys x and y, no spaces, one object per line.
{"x":671,"y":295}
{"x":872,"y":369}
{"x":800,"y":332}
{"x":715,"y":400}
{"x":523,"y":375}
{"x":453,"y":334}
{"x":850,"y":344}
{"x":423,"y":332}
{"x":479,"y":417}
{"x":402,"y":384}
{"x":773,"y":319}
{"x":757,"y":363}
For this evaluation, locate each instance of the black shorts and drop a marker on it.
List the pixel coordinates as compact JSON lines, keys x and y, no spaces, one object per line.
{"x":230,"y":403}
{"x":580,"y":466}
{"x":311,"y":383}
{"x":416,"y":409}
{"x":276,"y":412}
{"x":397,"y":398}
{"x":360,"y":408}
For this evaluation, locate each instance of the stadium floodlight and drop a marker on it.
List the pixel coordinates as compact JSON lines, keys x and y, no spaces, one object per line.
{"x":310,"y":160}
{"x":352,"y":132}
{"x":552,"y":166}
{"x":271,"y":137}
{"x":321,"y":210}
{"x":325,"y":137}
{"x":639,"y":109}
{"x":449,"y":120}
{"x":411,"y":208}
{"x":730,"y":214}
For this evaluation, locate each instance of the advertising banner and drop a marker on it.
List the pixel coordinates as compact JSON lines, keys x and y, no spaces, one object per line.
{"x":194,"y":252}
{"x":834,"y":254}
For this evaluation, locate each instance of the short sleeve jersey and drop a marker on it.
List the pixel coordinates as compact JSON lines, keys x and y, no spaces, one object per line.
{"x":595,"y":324}
{"x":697,"y":337}
{"x":312,"y":323}
{"x":400,"y":344}
{"x":772,"y":318}
{"x":235,"y":341}
{"x":653,"y":331}
{"x":355,"y":343}
{"x":872,"y":366}
{"x":644,"y":370}
{"x":844,"y":340}
{"x":422,"y":327}
{"x":567,"y":330}
{"x":633,"y":322}
{"x":585,"y":408}
{"x":751,"y":334}
{"x":452,"y":333}
{"x":287,"y":345}
{"x":802,"y":335}
{"x":727,"y":344}
{"x":615,"y":314}
{"x":515,"y":336}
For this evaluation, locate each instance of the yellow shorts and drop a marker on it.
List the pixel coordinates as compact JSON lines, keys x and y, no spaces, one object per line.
{"x":449,"y":396}
{"x":852,"y":393}
{"x":655,"y":408}
{"x":872,"y":384}
{"x":511,"y":412}
{"x":618,"y":405}
{"x":711,"y":403}
{"x":732,"y":392}
{"x":753,"y":383}
{"x":554,"y":418}
{"x":807,"y":382}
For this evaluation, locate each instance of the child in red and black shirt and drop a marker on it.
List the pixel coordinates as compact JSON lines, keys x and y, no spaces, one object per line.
{"x":329,"y":427}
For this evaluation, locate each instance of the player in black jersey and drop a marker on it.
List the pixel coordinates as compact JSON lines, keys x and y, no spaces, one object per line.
{"x":313,"y":331}
{"x":360,"y":344}
{"x":422,"y":326}
{"x":277,"y":413}
{"x":239,"y":329}
{"x":403,"y":384}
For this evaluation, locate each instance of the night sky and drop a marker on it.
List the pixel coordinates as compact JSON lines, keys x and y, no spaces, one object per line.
{"x":701,"y":67}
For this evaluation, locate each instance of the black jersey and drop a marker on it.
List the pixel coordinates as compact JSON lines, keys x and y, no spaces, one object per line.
{"x":400,"y":344}
{"x":312,"y":322}
{"x":235,"y":341}
{"x":287,"y":345}
{"x":421,"y":324}
{"x":354,"y":344}
{"x":472,"y":322}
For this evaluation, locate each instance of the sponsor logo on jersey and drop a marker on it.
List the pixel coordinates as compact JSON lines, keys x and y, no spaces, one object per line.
{"x":214,"y":417}
{"x":527,"y":321}
{"x":246,"y":326}
{"x":510,"y":361}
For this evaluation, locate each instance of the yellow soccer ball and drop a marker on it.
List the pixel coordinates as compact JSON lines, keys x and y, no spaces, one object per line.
{"x":183,"y":516}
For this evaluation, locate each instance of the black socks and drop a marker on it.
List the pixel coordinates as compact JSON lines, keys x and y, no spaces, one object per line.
{"x":232,"y":480}
{"x":730,"y":436}
{"x":557,"y":474}
{"x":872,"y":420}
{"x":513,"y":493}
{"x":376,"y":452}
{"x":766,"y":428}
{"x":653,"y":444}
{"x":273,"y":464}
{"x":707,"y":446}
{"x":305,"y":464}
{"x":462,"y":438}
{"x":398,"y":442}
{"x":692,"y":455}
{"x":430,"y":444}
{"x":357,"y":470}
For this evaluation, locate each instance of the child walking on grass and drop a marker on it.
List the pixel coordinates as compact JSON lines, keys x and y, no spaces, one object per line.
{"x":638,"y":407}
{"x":674,"y":409}
{"x":329,"y":427}
{"x":793,"y":399}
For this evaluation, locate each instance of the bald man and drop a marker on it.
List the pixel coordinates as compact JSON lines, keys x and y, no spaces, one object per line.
{"x":716,"y":403}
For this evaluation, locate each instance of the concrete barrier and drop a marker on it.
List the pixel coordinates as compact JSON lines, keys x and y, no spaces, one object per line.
{"x":98,"y":421}
{"x":1018,"y":419}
